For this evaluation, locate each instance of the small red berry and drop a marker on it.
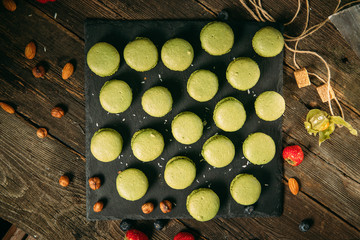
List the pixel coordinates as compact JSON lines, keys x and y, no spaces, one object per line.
{"x":134,"y":234}
{"x":184,"y":236}
{"x":293,"y":155}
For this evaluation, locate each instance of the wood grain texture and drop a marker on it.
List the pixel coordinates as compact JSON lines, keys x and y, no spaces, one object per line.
{"x":30,"y":195}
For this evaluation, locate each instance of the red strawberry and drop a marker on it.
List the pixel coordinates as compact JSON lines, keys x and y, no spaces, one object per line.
{"x":134,"y":234}
{"x":293,"y":155}
{"x":184,"y":236}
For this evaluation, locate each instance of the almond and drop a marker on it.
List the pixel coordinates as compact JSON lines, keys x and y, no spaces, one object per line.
{"x":67,"y":71}
{"x":7,"y":108}
{"x":10,"y":5}
{"x":293,"y":185}
{"x":30,"y":50}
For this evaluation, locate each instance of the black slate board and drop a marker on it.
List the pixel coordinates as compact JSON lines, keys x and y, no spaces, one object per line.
{"x":119,"y":33}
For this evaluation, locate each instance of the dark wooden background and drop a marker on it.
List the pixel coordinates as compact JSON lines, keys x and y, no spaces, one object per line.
{"x":30,"y":195}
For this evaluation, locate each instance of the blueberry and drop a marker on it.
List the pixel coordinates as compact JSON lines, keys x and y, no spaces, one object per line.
{"x":223,"y":15}
{"x":249,"y":209}
{"x":126,"y":224}
{"x":305,"y":225}
{"x":159,"y":224}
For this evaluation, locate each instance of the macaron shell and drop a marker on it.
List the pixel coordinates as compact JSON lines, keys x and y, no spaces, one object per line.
{"x":259,"y":148}
{"x":106,"y":144}
{"x":103,"y":59}
{"x":115,"y":96}
{"x":157,"y":101}
{"x":180,"y":172}
{"x":243,"y":73}
{"x":268,"y":42}
{"x":269,"y":106}
{"x":132,"y":184}
{"x":177,"y":54}
{"x":203,"y":204}
{"x":229,"y":114}
{"x":141,"y":54}
{"x":217,"y":38}
{"x":218,"y":151}
{"x":202,"y":85}
{"x":245,"y":189}
{"x":147,"y":144}
{"x":187,"y":128}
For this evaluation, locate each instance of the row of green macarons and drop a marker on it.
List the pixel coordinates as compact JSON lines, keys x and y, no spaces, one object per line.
{"x":217,"y":38}
{"x":148,"y":144}
{"x":229,"y":114}
{"x":202,"y":203}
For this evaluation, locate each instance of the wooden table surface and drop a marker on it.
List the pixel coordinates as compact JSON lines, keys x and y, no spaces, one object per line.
{"x":30,"y":195}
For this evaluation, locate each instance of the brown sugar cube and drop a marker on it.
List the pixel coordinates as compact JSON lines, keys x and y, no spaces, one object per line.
{"x":323,"y":92}
{"x":302,"y":78}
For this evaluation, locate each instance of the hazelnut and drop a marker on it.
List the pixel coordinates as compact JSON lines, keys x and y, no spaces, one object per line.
{"x":166,"y":206}
{"x":64,"y":181}
{"x":147,"y":207}
{"x":41,"y":133}
{"x":98,"y":206}
{"x":38,"y":71}
{"x":57,"y":112}
{"x":94,"y":183}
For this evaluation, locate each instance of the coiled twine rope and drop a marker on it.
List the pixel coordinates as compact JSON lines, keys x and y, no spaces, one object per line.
{"x":261,"y":15}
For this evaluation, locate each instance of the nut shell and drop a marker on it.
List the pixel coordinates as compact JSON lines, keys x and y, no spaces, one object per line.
{"x":64,"y":181}
{"x":166,"y":206}
{"x":57,"y":112}
{"x":67,"y":71}
{"x":293,"y":186}
{"x":41,"y":133}
{"x":98,"y":207}
{"x":94,"y":183}
{"x":38,"y":71}
{"x":147,"y":207}
{"x":10,"y":5}
{"x":30,"y":50}
{"x":7,"y":108}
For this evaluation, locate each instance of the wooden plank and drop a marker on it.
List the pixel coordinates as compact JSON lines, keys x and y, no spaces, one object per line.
{"x":14,"y":233}
{"x":34,"y":98}
{"x":72,"y":14}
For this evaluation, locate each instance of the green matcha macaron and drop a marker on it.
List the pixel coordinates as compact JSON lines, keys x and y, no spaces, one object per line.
{"x":243,"y":73}
{"x":202,"y":85}
{"x":203,"y":204}
{"x":217,"y":38}
{"x":229,"y":114}
{"x":245,"y":189}
{"x":268,"y":42}
{"x":115,"y":96}
{"x":187,"y":128}
{"x":147,"y":144}
{"x":106,"y":144}
{"x":103,"y":59}
{"x":218,"y":151}
{"x":269,"y":106}
{"x":259,"y":148}
{"x":180,"y":172}
{"x":141,"y":54}
{"x":157,"y":101}
{"x":132,"y":184}
{"x":177,"y":54}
